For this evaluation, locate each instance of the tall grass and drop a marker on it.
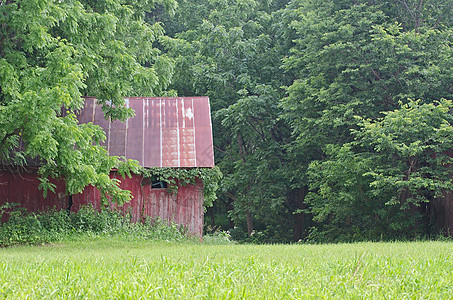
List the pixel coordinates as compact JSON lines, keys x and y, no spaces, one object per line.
{"x":108,"y":267}
{"x":101,"y":255}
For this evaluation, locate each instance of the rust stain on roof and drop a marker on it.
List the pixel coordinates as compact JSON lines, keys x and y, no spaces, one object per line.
{"x":165,"y":132}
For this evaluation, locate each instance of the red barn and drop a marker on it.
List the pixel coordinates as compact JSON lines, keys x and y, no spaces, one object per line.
{"x":165,"y":132}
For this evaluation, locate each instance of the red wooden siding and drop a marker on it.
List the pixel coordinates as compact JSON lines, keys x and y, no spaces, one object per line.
{"x":22,"y":188}
{"x":184,"y":207}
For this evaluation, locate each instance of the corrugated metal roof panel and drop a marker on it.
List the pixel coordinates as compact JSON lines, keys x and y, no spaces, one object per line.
{"x":165,"y":132}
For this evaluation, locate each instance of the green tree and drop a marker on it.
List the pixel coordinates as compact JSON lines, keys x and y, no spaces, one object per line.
{"x":232,"y":51}
{"x":340,"y":61}
{"x":356,"y":60}
{"x":360,"y":58}
{"x":380,"y":185}
{"x":54,"y":52}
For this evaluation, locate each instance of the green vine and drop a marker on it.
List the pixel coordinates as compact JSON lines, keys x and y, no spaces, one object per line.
{"x":182,"y":176}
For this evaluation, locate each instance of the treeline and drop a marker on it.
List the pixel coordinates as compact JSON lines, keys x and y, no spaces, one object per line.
{"x":331,"y":118}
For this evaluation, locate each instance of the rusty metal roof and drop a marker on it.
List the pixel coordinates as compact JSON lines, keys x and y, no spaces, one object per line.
{"x":165,"y":132}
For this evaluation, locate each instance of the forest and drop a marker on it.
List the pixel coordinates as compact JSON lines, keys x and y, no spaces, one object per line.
{"x":332,"y":119}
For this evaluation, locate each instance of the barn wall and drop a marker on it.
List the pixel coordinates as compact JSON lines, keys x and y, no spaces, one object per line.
{"x":22,"y":188}
{"x":184,"y":207}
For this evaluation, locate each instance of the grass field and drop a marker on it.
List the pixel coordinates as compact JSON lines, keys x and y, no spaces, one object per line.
{"x":103,"y":268}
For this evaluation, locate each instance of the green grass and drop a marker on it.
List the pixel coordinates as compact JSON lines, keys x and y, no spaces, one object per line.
{"x":106,"y":267}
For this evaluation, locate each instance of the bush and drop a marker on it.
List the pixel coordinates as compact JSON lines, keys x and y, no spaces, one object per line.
{"x":53,"y":226}
{"x":218,"y":237}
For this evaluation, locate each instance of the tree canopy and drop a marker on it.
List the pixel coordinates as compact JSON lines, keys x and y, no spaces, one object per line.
{"x":332,"y":119}
{"x":298,"y":90}
{"x":54,"y":52}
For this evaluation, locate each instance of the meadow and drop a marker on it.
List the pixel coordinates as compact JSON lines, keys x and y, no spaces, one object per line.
{"x":112,"y":267}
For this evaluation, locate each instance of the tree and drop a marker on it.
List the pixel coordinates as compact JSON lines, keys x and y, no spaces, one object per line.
{"x":232,"y":51}
{"x":338,"y":62}
{"x":412,"y":146}
{"x":381,"y":184}
{"x":54,"y":52}
{"x":354,"y":61}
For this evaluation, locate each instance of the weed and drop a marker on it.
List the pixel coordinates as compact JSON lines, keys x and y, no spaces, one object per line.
{"x":56,"y":226}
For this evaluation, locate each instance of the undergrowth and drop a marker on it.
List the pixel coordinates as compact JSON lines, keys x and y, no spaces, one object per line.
{"x":53,"y":226}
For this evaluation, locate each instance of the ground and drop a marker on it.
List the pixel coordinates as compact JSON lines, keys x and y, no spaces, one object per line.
{"x":108,"y":267}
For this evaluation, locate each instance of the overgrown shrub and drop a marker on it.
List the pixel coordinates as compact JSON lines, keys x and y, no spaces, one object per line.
{"x":23,"y":227}
{"x":217,"y":237}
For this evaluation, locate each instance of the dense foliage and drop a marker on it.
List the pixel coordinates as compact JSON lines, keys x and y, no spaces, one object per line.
{"x":53,"y":226}
{"x":330,"y":116}
{"x":332,"y":119}
{"x":355,"y":63}
{"x":54,"y":52}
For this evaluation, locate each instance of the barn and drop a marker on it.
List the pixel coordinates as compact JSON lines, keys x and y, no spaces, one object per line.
{"x":165,"y":132}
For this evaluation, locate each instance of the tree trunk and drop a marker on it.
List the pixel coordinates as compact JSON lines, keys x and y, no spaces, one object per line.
{"x":242,"y":153}
{"x":249,"y":223}
{"x":299,"y":217}
{"x":210,"y":212}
